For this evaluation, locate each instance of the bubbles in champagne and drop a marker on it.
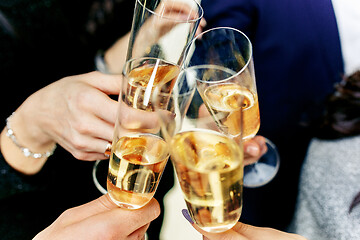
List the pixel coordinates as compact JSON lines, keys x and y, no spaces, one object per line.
{"x":210,"y":172}
{"x":136,"y":165}
{"x":229,"y":97}
{"x":133,"y":178}
{"x":142,"y":81}
{"x":226,"y":102}
{"x":140,"y":77}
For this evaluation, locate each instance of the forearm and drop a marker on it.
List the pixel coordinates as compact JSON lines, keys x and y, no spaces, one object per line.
{"x":115,"y":56}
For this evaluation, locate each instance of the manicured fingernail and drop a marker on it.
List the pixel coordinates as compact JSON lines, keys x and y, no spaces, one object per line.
{"x":187,"y":215}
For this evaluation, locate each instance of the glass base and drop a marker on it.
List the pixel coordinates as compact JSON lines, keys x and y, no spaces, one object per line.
{"x":264,"y":170}
{"x":99,"y":175}
{"x":126,"y":205}
{"x":218,"y":229}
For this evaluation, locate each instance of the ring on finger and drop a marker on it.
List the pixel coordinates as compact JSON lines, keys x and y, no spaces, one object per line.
{"x":107,"y":150}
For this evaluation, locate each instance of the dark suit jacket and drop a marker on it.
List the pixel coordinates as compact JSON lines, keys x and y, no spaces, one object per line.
{"x":297,"y":59}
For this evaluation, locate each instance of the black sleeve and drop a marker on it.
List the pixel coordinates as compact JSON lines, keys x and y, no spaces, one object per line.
{"x":13,"y":182}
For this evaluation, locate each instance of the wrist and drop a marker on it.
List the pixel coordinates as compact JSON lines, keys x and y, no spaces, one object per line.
{"x":28,"y":135}
{"x":24,"y":148}
{"x":16,"y":159}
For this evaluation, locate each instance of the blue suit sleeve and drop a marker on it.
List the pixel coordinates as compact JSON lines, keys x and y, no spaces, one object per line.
{"x":239,"y":14}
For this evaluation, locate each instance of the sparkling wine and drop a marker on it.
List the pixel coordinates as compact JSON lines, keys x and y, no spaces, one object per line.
{"x":224,"y":103}
{"x":135,"y":169}
{"x":142,"y":81}
{"x":210,"y":171}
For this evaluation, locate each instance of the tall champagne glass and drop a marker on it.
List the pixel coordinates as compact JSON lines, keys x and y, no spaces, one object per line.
{"x":225,"y":56}
{"x":160,"y":29}
{"x":139,"y":154}
{"x":208,"y":162}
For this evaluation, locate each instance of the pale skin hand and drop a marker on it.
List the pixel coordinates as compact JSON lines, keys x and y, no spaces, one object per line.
{"x":101,"y":219}
{"x":75,"y":112}
{"x":243,"y":231}
{"x":254,"y":148}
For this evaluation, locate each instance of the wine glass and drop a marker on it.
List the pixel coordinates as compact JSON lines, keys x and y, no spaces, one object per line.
{"x":225,"y":55}
{"x":160,"y":29}
{"x":208,"y":163}
{"x":139,"y":154}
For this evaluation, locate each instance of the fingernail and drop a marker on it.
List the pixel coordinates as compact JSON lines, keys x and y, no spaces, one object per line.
{"x":187,"y":215}
{"x":252,"y":150}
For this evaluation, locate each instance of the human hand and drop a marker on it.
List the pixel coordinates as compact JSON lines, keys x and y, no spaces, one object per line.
{"x":135,"y":120}
{"x":101,"y":219}
{"x":243,"y":231}
{"x":254,"y":148}
{"x":75,"y":112}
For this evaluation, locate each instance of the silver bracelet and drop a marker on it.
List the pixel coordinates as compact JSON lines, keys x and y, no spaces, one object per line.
{"x":24,"y":150}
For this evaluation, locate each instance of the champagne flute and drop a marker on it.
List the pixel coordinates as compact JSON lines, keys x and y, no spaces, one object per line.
{"x":160,"y":29}
{"x":208,"y":163}
{"x":225,"y":55}
{"x":139,"y":154}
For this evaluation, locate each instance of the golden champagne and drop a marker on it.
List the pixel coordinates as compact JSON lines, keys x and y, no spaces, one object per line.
{"x":210,"y":171}
{"x":142,"y":81}
{"x":224,"y":103}
{"x":136,"y":166}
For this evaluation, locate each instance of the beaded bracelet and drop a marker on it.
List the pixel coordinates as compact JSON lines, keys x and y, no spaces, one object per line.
{"x":24,"y":150}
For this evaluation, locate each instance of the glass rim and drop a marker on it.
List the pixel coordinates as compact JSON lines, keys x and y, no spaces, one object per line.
{"x":193,"y":20}
{"x":238,"y":161}
{"x":137,"y":134}
{"x":124,"y":73}
{"x":199,"y":36}
{"x":207,"y":66}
